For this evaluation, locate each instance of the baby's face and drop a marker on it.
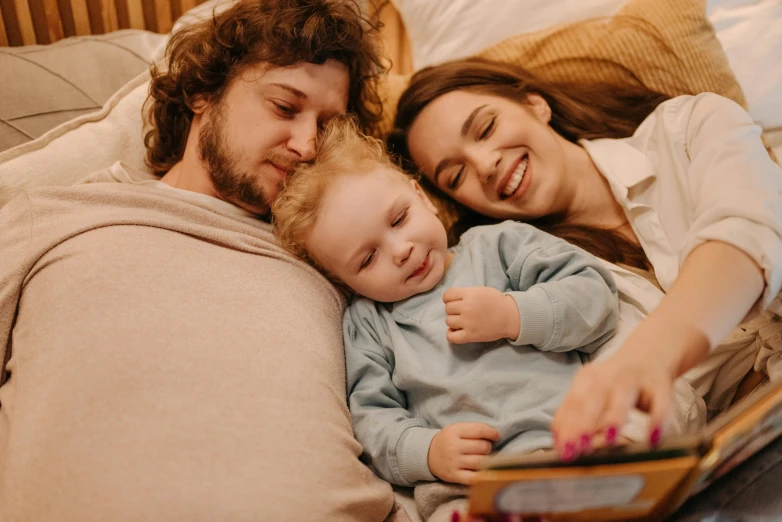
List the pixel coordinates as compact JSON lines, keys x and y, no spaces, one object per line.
{"x":379,"y":234}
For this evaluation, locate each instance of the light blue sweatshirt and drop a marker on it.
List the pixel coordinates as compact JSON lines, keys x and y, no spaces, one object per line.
{"x":406,"y":381}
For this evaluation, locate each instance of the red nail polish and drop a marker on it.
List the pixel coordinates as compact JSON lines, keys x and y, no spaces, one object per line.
{"x":569,"y":453}
{"x":456,"y":516}
{"x":586,"y":443}
{"x":654,"y":439}
{"x":611,"y":436}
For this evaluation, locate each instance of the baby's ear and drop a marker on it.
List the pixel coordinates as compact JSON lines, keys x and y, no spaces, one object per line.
{"x":421,"y":194}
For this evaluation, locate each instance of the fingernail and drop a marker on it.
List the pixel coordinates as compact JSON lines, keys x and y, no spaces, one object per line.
{"x":456,"y":516}
{"x":586,"y":443}
{"x":611,"y":436}
{"x":654,"y":439}
{"x":569,"y":453}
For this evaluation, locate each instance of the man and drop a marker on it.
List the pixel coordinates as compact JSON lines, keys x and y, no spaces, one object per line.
{"x":163,"y":359}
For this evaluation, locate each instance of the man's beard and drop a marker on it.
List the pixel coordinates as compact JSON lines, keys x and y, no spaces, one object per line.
{"x":230,"y":180}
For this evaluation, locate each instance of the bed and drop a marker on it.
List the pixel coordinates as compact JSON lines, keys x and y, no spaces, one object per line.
{"x":72,"y":71}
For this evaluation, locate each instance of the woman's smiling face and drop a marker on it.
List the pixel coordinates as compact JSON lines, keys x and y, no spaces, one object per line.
{"x":491,"y":154}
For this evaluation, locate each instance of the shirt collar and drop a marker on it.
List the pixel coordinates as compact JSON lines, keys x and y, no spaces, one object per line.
{"x":621,"y":164}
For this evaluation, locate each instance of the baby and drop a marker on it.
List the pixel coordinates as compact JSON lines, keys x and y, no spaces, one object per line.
{"x":451,"y":352}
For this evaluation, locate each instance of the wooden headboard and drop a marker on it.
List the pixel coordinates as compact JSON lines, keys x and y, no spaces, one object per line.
{"x":27,"y":22}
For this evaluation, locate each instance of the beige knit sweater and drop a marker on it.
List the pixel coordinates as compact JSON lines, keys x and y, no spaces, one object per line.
{"x":168,"y":362}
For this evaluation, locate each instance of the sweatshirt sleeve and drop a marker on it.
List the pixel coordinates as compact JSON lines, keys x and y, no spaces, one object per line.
{"x":567,"y":300}
{"x":16,"y":225}
{"x":396,"y":445}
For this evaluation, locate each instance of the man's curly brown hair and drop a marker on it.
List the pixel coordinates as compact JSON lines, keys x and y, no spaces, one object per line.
{"x":203,"y":59}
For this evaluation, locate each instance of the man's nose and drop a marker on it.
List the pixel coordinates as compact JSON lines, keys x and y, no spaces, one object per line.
{"x":303,"y":139}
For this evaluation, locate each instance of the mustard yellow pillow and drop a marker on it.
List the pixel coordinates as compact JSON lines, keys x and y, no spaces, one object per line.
{"x":667,"y":45}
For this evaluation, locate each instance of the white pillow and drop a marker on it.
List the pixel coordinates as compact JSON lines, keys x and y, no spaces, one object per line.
{"x":442,"y":30}
{"x":75,"y":149}
{"x":750,"y":31}
{"x":72,"y":151}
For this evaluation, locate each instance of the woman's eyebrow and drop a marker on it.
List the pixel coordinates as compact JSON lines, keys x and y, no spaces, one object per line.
{"x":471,"y":118}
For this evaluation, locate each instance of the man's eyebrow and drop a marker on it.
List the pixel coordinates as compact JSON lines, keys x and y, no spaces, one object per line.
{"x":291,"y":89}
{"x":471,"y":118}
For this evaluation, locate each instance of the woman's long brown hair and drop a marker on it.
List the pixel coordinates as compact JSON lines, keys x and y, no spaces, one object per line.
{"x":578,"y":111}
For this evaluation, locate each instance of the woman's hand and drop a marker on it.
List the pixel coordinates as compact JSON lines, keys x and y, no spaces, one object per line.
{"x":641,"y":374}
{"x":601,"y":397}
{"x":458,"y":450}
{"x":479,"y":314}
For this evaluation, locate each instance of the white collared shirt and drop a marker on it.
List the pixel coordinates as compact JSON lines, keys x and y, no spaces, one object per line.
{"x":696,"y":170}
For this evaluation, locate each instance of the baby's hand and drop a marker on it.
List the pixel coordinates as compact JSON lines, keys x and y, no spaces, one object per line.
{"x":480,"y":314}
{"x":458,"y":450}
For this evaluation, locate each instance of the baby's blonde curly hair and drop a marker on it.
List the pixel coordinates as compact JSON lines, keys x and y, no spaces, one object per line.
{"x":342,"y":149}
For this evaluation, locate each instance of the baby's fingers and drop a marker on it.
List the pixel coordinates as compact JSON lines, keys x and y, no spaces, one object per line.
{"x":454,"y":322}
{"x":472,"y":462}
{"x":457,"y":336}
{"x":453,"y":294}
{"x":465,"y":476}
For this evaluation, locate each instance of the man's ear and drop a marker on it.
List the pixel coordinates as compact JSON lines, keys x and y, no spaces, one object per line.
{"x":540,"y":107}
{"x":421,"y":194}
{"x":200,"y":103}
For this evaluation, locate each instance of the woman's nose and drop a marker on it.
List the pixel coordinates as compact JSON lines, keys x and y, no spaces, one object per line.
{"x":487,"y":164}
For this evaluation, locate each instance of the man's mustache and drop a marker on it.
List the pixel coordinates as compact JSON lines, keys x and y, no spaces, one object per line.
{"x":284,"y":162}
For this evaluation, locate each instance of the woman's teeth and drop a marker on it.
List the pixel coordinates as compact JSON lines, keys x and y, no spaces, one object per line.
{"x":515,"y":179}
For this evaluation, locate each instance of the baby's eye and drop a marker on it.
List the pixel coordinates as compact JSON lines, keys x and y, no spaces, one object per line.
{"x":367,"y":260}
{"x":400,"y":219}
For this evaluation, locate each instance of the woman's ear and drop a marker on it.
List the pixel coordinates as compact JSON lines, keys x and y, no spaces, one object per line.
{"x":421,"y":194}
{"x":540,"y":107}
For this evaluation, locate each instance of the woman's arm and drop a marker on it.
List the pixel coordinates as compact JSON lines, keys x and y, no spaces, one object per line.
{"x":731,"y":259}
{"x":717,"y":286}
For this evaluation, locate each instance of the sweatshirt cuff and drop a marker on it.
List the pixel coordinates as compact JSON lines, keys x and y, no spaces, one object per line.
{"x":536,"y":312}
{"x":412,"y":454}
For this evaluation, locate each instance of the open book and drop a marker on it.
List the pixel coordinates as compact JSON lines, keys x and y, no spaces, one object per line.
{"x":632,"y":482}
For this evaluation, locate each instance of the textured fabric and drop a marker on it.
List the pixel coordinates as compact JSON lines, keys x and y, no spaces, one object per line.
{"x":46,"y":85}
{"x":436,"y":501}
{"x":669,"y":45}
{"x":407,"y":381}
{"x":169,"y":362}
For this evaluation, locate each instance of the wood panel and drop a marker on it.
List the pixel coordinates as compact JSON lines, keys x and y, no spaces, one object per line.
{"x":3,"y":36}
{"x":26,"y":22}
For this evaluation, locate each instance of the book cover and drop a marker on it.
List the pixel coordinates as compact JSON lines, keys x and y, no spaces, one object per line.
{"x":631,"y":482}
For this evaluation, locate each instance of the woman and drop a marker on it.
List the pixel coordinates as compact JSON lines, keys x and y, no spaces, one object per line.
{"x":690,"y":198}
